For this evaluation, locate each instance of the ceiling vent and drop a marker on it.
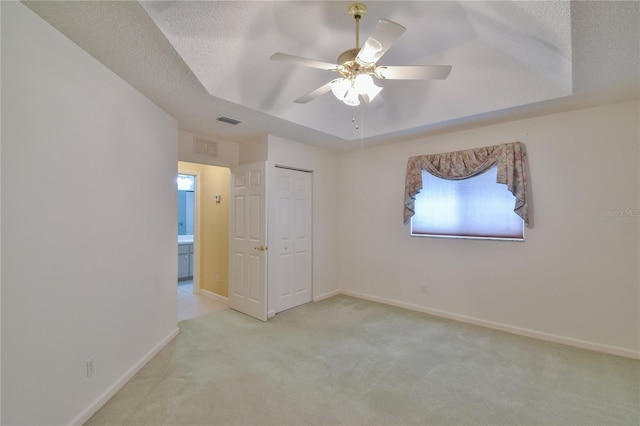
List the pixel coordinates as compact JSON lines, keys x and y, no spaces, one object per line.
{"x":205,"y":147}
{"x":228,"y":120}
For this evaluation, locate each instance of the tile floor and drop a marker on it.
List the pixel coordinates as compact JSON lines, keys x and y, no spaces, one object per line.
{"x":191,"y":305}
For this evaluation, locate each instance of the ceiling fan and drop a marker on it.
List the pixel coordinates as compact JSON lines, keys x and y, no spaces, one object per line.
{"x":358,"y":67}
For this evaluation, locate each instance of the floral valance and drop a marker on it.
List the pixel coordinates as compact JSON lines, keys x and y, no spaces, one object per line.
{"x":509,"y":157}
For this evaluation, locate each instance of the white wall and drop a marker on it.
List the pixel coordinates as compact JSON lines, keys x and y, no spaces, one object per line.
{"x":575,"y":279}
{"x":324,"y":165}
{"x":254,"y":150}
{"x":0,"y":234}
{"x":88,"y":226}
{"x":228,"y":152}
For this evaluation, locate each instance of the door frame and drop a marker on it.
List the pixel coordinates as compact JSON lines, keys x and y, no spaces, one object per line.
{"x":196,"y":227}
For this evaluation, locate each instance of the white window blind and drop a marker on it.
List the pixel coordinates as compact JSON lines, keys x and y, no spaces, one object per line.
{"x":476,"y":207}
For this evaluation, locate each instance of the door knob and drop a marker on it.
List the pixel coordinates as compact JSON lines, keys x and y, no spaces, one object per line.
{"x":261,"y":248}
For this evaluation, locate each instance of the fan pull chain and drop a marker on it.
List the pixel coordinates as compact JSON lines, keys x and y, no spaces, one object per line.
{"x":356,"y":118}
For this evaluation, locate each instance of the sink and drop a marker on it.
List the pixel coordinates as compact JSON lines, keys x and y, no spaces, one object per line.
{"x":185,"y":239}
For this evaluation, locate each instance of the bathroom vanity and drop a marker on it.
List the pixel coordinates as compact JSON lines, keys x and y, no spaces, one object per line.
{"x":185,"y":257}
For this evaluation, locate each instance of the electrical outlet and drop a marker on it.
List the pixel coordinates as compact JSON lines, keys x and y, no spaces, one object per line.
{"x":91,"y":368}
{"x":217,"y":278}
{"x":423,"y":289}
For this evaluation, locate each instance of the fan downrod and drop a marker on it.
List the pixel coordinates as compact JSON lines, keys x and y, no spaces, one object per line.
{"x":349,"y":67}
{"x":357,"y":11}
{"x":347,"y":58}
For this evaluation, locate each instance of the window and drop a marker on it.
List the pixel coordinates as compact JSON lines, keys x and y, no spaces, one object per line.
{"x":476,"y":207}
{"x":475,"y":193}
{"x":186,"y":182}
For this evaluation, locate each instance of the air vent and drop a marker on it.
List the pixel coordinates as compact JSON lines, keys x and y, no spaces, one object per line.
{"x":228,"y":120}
{"x":205,"y":147}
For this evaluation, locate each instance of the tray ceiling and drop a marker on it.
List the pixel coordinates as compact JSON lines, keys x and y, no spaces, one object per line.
{"x":200,"y":60}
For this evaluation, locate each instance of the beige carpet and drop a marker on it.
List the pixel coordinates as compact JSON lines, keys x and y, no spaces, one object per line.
{"x":346,"y":361}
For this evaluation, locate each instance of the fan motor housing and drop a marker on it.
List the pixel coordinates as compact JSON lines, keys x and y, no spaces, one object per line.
{"x":350,"y":67}
{"x":348,"y":56}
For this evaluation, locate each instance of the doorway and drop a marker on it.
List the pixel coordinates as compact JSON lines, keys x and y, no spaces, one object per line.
{"x":210,"y":240}
{"x":188,"y":226}
{"x":211,"y":227}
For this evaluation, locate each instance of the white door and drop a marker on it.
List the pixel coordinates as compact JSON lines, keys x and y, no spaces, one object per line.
{"x":247,"y":242}
{"x":290,"y":264}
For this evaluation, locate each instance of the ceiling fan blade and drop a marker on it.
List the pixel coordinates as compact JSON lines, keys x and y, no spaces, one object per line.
{"x":304,"y":61}
{"x":314,"y":94}
{"x":381,"y":39}
{"x":414,"y":72}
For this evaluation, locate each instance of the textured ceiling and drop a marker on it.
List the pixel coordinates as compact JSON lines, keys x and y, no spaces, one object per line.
{"x":503,"y":55}
{"x":201,"y":60}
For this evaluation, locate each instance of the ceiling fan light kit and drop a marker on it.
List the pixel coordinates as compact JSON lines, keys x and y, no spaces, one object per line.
{"x":358,"y":66}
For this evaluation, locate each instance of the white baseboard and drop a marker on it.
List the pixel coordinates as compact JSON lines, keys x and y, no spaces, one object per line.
{"x":614,"y":350}
{"x":106,"y":396}
{"x":214,"y":295}
{"x":319,"y":297}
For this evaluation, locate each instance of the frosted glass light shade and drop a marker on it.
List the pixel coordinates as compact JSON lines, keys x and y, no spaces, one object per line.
{"x":351,"y":98}
{"x":364,"y":85}
{"x":348,"y":91}
{"x":339,"y":87}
